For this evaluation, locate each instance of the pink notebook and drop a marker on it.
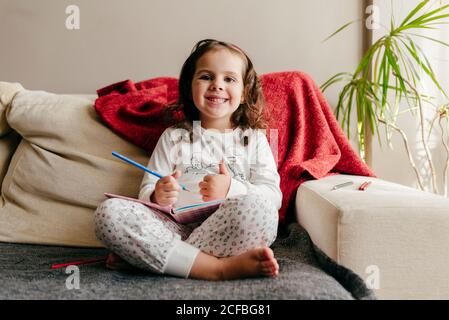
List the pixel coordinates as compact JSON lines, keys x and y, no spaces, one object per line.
{"x":195,"y":212}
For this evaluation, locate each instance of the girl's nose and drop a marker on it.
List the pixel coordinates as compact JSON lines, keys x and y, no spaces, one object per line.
{"x":216,"y":86}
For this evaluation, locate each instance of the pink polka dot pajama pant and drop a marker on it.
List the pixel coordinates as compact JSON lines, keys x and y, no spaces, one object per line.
{"x":150,"y":240}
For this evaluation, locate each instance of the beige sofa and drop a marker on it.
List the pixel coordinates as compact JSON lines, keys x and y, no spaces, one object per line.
{"x":55,"y":164}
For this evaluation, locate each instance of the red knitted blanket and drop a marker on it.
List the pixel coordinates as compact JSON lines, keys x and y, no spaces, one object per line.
{"x":311,"y":144}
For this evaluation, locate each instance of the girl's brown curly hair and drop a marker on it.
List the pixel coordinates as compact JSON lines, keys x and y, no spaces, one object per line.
{"x":248,"y":115}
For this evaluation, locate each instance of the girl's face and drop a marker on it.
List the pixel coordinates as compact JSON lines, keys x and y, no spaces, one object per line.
{"x":217,"y":87}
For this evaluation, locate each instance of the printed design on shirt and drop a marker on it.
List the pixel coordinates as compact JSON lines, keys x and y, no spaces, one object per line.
{"x":197,"y":167}
{"x":237,"y":173}
{"x":205,"y":160}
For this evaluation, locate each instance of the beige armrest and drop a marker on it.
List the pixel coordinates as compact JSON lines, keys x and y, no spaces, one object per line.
{"x":390,"y":233}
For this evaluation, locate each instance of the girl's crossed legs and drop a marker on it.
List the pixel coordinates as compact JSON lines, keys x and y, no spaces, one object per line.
{"x":231,"y":243}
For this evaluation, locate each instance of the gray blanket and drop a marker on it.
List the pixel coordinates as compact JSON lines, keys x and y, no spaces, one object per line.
{"x":305,"y":273}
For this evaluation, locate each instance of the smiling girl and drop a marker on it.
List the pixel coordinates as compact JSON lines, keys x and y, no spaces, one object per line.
{"x":219,"y":154}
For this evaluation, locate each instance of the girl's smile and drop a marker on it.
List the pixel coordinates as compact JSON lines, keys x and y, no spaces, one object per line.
{"x":217,"y":87}
{"x":216,"y":100}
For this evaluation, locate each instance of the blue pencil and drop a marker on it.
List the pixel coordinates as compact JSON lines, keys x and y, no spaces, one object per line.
{"x":138,"y":165}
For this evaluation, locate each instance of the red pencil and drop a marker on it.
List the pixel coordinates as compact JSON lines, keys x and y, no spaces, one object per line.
{"x":62,"y":265}
{"x":364,"y":185}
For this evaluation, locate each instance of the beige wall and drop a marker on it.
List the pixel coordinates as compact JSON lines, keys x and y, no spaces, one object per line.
{"x":140,"y":39}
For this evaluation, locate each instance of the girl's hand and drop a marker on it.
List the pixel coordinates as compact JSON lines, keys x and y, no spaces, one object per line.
{"x":167,"y":190}
{"x":216,"y":186}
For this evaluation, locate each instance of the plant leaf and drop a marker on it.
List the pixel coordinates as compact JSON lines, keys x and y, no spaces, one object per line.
{"x":369,"y":55}
{"x":424,"y":17}
{"x":423,"y":22}
{"x":413,"y":12}
{"x":334,"y":79}
{"x":413,"y":52}
{"x":341,"y":99}
{"x":428,"y":38}
{"x":341,"y":29}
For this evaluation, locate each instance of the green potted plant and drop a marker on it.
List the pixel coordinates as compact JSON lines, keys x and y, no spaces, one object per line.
{"x":385,"y":86}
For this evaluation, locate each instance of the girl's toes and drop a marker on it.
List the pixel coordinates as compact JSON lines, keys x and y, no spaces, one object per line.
{"x":267,"y":272}
{"x":267,"y":264}
{"x":266,"y":269}
{"x":268,"y":253}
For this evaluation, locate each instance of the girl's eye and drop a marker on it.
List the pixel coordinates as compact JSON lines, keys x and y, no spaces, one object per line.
{"x":205,"y":77}
{"x":229,"y":79}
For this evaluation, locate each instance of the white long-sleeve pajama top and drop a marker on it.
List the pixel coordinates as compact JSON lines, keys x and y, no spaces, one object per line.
{"x":252,"y":167}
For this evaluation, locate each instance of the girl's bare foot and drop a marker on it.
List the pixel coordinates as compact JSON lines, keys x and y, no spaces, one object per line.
{"x":114,"y":262}
{"x":253,"y":263}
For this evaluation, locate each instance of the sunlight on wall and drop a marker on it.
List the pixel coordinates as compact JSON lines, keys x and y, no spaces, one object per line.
{"x":393,"y":164}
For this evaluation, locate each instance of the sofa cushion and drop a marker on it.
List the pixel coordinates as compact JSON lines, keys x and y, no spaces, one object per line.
{"x":7,"y":93}
{"x":8,"y":144}
{"x":8,"y":138}
{"x":61,"y":169}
